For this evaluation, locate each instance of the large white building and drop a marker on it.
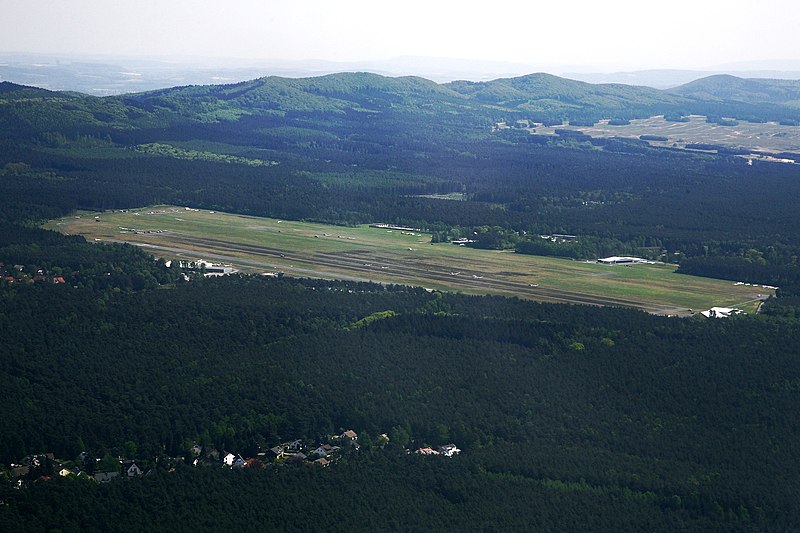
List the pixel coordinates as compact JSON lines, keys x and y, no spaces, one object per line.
{"x":614,"y":260}
{"x":721,"y":312}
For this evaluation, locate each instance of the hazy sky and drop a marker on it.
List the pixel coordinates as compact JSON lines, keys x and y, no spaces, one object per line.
{"x":605,"y":34}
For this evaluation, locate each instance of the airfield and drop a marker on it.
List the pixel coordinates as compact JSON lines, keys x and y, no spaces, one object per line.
{"x":403,"y":256}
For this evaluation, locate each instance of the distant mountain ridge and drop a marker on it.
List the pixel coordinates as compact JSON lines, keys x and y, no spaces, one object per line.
{"x":671,"y":78}
{"x":105,"y":76}
{"x":523,"y":91}
{"x":724,"y":87}
{"x":538,"y":97}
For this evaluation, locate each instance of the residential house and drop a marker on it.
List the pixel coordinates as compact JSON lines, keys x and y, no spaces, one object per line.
{"x":322,"y":462}
{"x":20,"y":471}
{"x":294,"y":446}
{"x":349,"y":436}
{"x":276,"y":453}
{"x":449,"y":450}
{"x":133,"y":470}
{"x":427,"y":451}
{"x":298,"y":457}
{"x":232,"y":460}
{"x":324,"y":450}
{"x":32,"y":460}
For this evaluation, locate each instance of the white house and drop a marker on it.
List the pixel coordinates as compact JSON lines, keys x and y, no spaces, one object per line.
{"x":449,"y":450}
{"x":233,"y":460}
{"x":322,"y":451}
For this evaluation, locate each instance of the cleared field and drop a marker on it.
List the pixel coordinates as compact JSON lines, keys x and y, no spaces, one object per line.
{"x":767,"y":137}
{"x":393,"y":256}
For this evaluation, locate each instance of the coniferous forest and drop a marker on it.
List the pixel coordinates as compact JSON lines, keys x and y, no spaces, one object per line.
{"x":568,"y":418}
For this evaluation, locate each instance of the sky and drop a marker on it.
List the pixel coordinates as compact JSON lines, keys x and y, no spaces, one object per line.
{"x":597,"y":34}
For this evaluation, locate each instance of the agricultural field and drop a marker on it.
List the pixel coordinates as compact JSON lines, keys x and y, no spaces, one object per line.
{"x":767,"y":137}
{"x":263,"y":245}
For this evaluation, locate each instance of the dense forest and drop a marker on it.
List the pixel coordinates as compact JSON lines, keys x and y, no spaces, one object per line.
{"x":679,"y":423}
{"x":568,"y":417}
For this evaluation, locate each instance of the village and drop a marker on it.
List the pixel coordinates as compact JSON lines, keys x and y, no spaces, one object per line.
{"x":41,"y":467}
{"x":10,"y":274}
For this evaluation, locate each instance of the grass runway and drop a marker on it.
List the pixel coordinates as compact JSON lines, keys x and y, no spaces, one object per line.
{"x":255,"y":244}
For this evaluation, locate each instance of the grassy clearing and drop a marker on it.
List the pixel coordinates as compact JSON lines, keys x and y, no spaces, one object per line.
{"x":394,"y":256}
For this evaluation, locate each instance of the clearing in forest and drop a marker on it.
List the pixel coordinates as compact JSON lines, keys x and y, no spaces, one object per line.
{"x":254,"y":244}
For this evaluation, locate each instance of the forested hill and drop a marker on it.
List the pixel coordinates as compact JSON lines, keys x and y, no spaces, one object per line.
{"x":730,"y":88}
{"x":334,"y":92}
{"x":538,"y":97}
{"x":545,"y":93}
{"x":569,"y":418}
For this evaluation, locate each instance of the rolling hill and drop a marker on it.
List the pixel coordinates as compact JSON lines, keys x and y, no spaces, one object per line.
{"x":542,"y":92}
{"x":538,"y":97}
{"x":724,"y":87}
